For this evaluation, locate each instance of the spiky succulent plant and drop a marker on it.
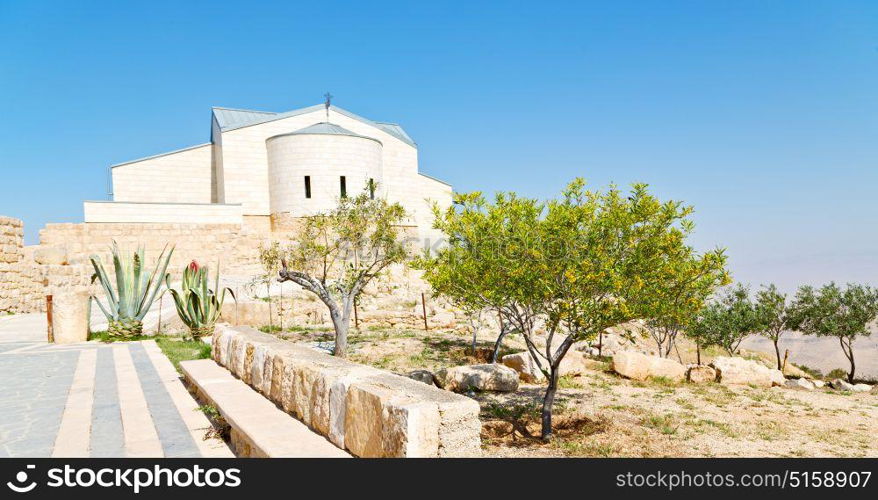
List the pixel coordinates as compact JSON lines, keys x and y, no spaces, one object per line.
{"x":198,"y":306}
{"x":135,"y":288}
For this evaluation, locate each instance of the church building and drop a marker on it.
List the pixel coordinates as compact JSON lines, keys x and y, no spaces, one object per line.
{"x":264,"y":169}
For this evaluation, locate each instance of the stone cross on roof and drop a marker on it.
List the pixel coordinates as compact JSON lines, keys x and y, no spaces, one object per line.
{"x":327,"y":103}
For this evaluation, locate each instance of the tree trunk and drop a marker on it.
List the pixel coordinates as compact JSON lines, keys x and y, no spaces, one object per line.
{"x":341,"y":320}
{"x":849,"y":352}
{"x":698,"y":352}
{"x":341,"y":335}
{"x":777,"y":353}
{"x":548,"y":401}
{"x":853,"y":369}
{"x":497,"y":345}
{"x":601,"y":344}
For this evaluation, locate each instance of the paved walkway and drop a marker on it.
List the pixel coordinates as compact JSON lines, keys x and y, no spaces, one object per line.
{"x":93,"y":399}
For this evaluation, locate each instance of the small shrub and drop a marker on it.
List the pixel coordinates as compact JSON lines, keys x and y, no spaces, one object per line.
{"x":569,"y":382}
{"x":666,"y":424}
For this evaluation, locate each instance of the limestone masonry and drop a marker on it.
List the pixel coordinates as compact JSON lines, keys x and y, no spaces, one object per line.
{"x":367,"y":411}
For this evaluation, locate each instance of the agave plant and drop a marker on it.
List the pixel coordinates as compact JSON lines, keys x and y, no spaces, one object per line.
{"x":198,"y":305}
{"x":134,"y":291}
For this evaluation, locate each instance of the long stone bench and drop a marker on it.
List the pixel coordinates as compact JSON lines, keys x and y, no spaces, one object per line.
{"x":367,"y":411}
{"x":259,"y":429}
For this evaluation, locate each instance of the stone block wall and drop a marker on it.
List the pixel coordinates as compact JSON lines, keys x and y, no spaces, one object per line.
{"x":233,"y":246}
{"x":367,"y":411}
{"x":21,"y":281}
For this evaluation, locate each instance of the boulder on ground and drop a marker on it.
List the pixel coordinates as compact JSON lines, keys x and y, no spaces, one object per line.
{"x":800,"y":383}
{"x":50,"y":255}
{"x":818,"y":383}
{"x":574,"y":363}
{"x":700,"y":374}
{"x":487,"y":377}
{"x":523,"y":363}
{"x":740,"y":371}
{"x":637,"y":366}
{"x":841,"y":385}
{"x":425,"y":376}
{"x":862,"y":387}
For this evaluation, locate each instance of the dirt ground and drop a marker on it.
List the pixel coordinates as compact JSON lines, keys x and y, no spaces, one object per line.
{"x":600,"y":414}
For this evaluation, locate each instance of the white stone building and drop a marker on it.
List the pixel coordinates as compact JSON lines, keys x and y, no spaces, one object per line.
{"x":262,"y":169}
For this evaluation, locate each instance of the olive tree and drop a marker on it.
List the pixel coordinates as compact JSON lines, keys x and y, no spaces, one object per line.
{"x":726,"y":321}
{"x":832,"y":311}
{"x":336,"y":254}
{"x":772,"y":312}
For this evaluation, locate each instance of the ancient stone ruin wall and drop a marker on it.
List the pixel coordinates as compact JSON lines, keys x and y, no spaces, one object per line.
{"x":369,"y":412}
{"x":21,"y":281}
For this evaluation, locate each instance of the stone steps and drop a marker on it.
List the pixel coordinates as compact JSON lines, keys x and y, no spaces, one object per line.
{"x":259,"y":428}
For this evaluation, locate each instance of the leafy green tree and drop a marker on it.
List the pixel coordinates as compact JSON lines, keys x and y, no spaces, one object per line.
{"x":727,"y":321}
{"x":705,"y":328}
{"x":689,"y":281}
{"x":336,"y":254}
{"x":478,"y":270}
{"x":772,"y":313}
{"x":578,"y":264}
{"x":620,"y":251}
{"x":831,"y":311}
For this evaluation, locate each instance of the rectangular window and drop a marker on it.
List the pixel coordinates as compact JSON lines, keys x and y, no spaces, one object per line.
{"x":371,"y":189}
{"x":307,"y":186}
{"x":343,"y":185}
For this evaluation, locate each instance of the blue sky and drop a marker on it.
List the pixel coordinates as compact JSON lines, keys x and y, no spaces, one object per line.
{"x":763,"y":115}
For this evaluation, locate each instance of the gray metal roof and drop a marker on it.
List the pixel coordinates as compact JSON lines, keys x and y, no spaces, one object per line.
{"x":161,"y":154}
{"x":231,"y":119}
{"x":325,"y":128}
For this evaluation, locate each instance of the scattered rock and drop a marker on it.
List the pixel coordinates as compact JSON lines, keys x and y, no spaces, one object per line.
{"x":637,"y":366}
{"x":700,"y":374}
{"x":874,"y":389}
{"x":574,"y":363}
{"x":841,"y":385}
{"x":862,"y":388}
{"x":740,"y":371}
{"x":818,"y":383}
{"x":523,"y":363}
{"x":425,"y":376}
{"x":443,"y":319}
{"x":488,"y":377}
{"x":799,"y":383}
{"x":50,"y":255}
{"x":327,"y":347}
